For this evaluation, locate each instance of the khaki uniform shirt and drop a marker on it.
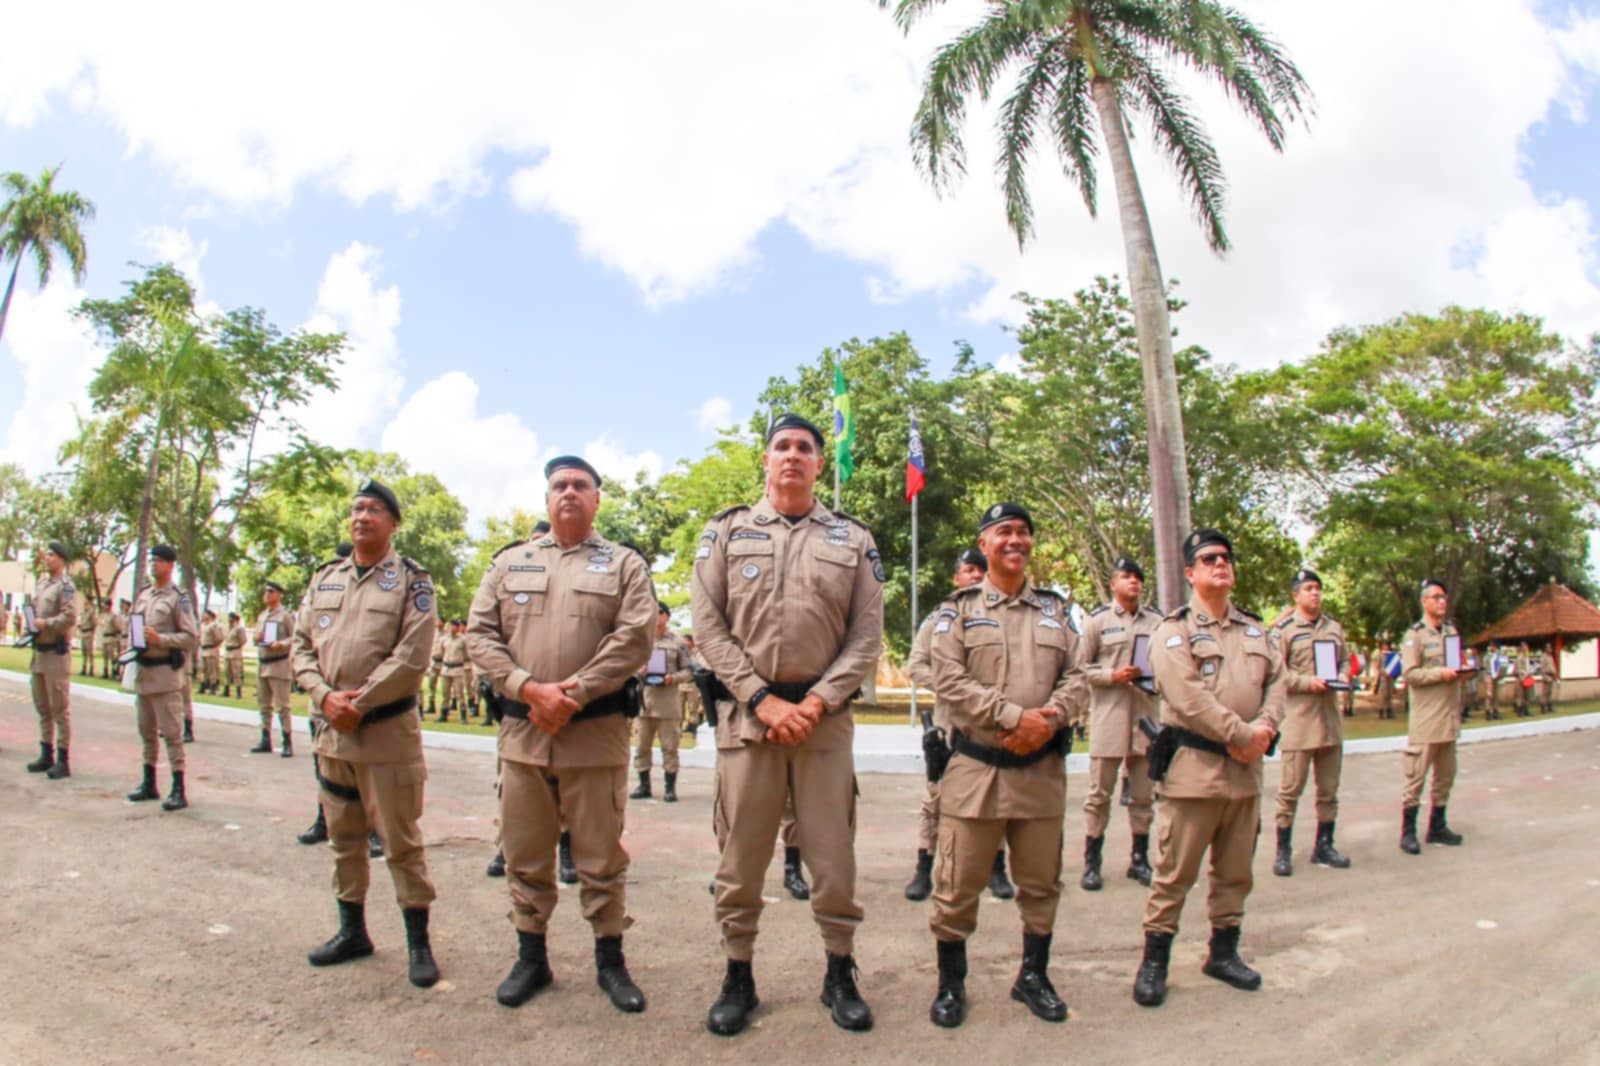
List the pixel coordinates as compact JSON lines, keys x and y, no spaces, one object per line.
{"x":211,"y":636}
{"x":235,"y":642}
{"x":454,"y":655}
{"x":545,"y":613}
{"x":1435,"y":703}
{"x":369,"y":633}
{"x":87,"y":619}
{"x":1310,"y":719}
{"x":1217,"y":677}
{"x":55,"y":609}
{"x":666,"y":699}
{"x":437,"y":663}
{"x":995,"y":656}
{"x":920,"y":667}
{"x":167,"y":611}
{"x":781,"y":601}
{"x":112,"y":626}
{"x":283,"y":668}
{"x":1115,"y":710}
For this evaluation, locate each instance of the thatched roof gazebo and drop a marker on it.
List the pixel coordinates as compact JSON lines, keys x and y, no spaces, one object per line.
{"x":1555,"y":615}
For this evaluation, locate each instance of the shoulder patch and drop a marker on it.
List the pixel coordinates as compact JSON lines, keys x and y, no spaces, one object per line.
{"x":508,"y":547}
{"x":1102,"y":609}
{"x":852,"y":519}
{"x":1416,"y":625}
{"x":720,"y":515}
{"x":1181,"y":612}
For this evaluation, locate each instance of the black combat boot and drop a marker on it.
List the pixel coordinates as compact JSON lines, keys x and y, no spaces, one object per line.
{"x":999,"y":884}
{"x":611,"y":974}
{"x":317,"y":831}
{"x":1139,"y":860}
{"x":288,"y":746}
{"x":176,"y":799}
{"x":669,"y":794}
{"x":1408,"y":831}
{"x":61,"y":768}
{"x":497,"y":865}
{"x":529,"y":973}
{"x":420,"y":967}
{"x":643,"y":791}
{"x":921,"y":883}
{"x":1283,"y":865}
{"x":1033,"y":987}
{"x":46,"y":759}
{"x":731,"y":1012}
{"x":1224,"y":962}
{"x":793,"y":879}
{"x":147,"y":787}
{"x":840,"y":995}
{"x":949,"y":1007}
{"x":350,"y":942}
{"x":188,"y":730}
{"x":1325,"y":854}
{"x":264,"y":745}
{"x":1150,"y":986}
{"x":1091,"y":881}
{"x":374,"y":845}
{"x":566,"y":871}
{"x":1438,"y":831}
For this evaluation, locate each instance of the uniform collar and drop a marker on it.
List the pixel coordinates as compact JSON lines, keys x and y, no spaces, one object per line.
{"x":765,"y":514}
{"x":390,"y":561}
{"x":1202,"y":614}
{"x":993,"y":597}
{"x":1301,"y":619}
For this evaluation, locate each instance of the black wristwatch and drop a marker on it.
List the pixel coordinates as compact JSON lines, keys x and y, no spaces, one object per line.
{"x":760,"y":694}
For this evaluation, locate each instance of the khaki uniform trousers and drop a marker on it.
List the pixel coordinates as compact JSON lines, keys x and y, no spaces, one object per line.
{"x":650,"y":729}
{"x":455,"y":689}
{"x":236,"y":673}
{"x":1229,"y":828}
{"x":110,"y":650}
{"x":272,"y":694}
{"x":1418,"y":759}
{"x":1103,"y":783}
{"x":211,"y":668}
{"x":928,"y":823}
{"x":753,"y":786}
{"x":1296,"y":770}
{"x":162,"y":714}
{"x":967,"y":848}
{"x":51,"y":698}
{"x":433,"y":687}
{"x":86,"y":647}
{"x":535,"y":803}
{"x":358,"y":797}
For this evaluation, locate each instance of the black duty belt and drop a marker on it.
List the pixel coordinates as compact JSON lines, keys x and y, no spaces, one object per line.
{"x":790,"y":691}
{"x":388,"y":710}
{"x":1190,"y":739}
{"x":273,"y":659}
{"x":455,"y":666}
{"x":618,"y":702}
{"x":1059,"y":745}
{"x":210,"y":647}
{"x":56,"y":647}
{"x":173,"y":658}
{"x":349,"y":793}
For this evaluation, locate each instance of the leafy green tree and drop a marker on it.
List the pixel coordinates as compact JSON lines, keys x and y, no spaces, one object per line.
{"x":38,"y":219}
{"x":1083,"y":68}
{"x":15,"y":525}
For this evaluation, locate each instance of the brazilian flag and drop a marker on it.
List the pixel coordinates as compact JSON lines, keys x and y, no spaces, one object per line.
{"x":844,"y":425}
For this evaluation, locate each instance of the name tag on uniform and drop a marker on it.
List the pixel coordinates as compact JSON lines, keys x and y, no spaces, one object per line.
{"x":1252,"y":631}
{"x":598,"y":568}
{"x":1049,"y":623}
{"x":973,"y":623}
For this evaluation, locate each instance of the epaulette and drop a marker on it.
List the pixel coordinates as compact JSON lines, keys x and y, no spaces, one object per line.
{"x":970,"y":590}
{"x":636,"y":550}
{"x":1051,"y":592}
{"x":508,"y":547}
{"x":1416,"y":625}
{"x":1102,"y":609}
{"x":1178,"y":613}
{"x":720,"y":515}
{"x":1283,"y":622}
{"x":1147,"y":609}
{"x":852,"y":518}
{"x":412,"y":565}
{"x":327,"y":563}
{"x":1248,"y":614}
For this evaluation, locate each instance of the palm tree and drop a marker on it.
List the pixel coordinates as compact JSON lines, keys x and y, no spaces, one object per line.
{"x":36,"y":218}
{"x":1082,"y":67}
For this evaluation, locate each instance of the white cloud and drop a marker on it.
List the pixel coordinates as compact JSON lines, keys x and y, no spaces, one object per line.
{"x":352,"y":300}
{"x":716,"y":413}
{"x":58,"y":358}
{"x":614,"y":461}
{"x":175,"y":246}
{"x":490,"y":461}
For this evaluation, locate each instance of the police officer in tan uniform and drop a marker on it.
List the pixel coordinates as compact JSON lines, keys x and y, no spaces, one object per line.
{"x":366,"y":625}
{"x":55,"y":609}
{"x":170,"y":639}
{"x":1005,"y":665}
{"x":233,"y":647}
{"x":662,"y":716}
{"x":970,"y":568}
{"x":274,"y":672}
{"x":788,"y":613}
{"x":1313,"y":726}
{"x":1434,"y":723}
{"x":559,"y":625}
{"x":1549,"y":679}
{"x":436,"y":667}
{"x":455,"y":671}
{"x":1220,"y":677}
{"x":212,"y":634}
{"x":87,"y":624}
{"x":112,"y":627}
{"x":1116,"y":705}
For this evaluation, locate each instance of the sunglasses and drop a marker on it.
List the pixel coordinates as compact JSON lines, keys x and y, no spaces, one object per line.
{"x":1214,"y":559}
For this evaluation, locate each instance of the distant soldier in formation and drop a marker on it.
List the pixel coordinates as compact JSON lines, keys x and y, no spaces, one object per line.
{"x":455,"y":672}
{"x":436,"y":667}
{"x":1549,"y":678}
{"x":88,"y":624}
{"x":55,"y":611}
{"x":212,"y":635}
{"x":171,"y":637}
{"x":113,"y":625}
{"x":274,"y":672}
{"x":188,"y":698}
{"x":662,"y":716}
{"x":1526,"y":675}
{"x":1434,"y":692}
{"x":1494,"y":662}
{"x":1387,"y":663}
{"x":233,"y":645}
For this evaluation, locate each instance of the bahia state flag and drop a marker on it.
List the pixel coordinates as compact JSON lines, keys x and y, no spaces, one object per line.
{"x":916,"y":470}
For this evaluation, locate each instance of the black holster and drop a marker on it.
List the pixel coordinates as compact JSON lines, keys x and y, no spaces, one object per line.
{"x":711,"y":690}
{"x":935,"y":751}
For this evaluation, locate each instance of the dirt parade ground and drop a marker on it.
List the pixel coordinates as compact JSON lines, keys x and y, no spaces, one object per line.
{"x":133,"y":935}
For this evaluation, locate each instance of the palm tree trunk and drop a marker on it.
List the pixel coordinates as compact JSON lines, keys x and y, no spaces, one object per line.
{"x":11,"y":287}
{"x":1169,"y":473}
{"x":147,"y":504}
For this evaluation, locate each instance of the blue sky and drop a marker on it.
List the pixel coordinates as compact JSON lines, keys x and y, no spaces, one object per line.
{"x":532,"y":256}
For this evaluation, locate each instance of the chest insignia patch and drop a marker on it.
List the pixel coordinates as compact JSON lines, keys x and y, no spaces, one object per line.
{"x":1049,"y":623}
{"x":1252,"y":631}
{"x":942,"y":626}
{"x":1208,"y":668}
{"x":388,"y":586}
{"x":704,"y":552}
{"x":600,"y":567}
{"x":422,"y":601}
{"x":521,"y":598}
{"x":750,"y":571}
{"x":1175,"y":642}
{"x":324,"y":621}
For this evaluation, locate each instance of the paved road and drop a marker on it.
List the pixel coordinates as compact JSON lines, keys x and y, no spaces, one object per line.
{"x":131,"y":935}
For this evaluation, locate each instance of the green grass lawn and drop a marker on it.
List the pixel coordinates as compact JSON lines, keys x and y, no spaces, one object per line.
{"x":887,"y":712}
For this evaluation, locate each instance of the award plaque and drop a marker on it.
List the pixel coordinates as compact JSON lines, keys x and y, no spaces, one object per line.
{"x":655,"y":671}
{"x":137,"y":641}
{"x":269,"y":631}
{"x":1452,"y":655}
{"x":1325,"y":655}
{"x":30,"y":620}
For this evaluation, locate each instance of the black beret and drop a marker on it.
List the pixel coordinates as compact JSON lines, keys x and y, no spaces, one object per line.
{"x":343,"y":551}
{"x":1203,"y":538}
{"x":973,"y":557}
{"x":57,"y":548}
{"x":571,"y":462}
{"x":541,"y":527}
{"x":382,"y":494}
{"x":662,"y":608}
{"x":1431,"y":583}
{"x":164,"y":551}
{"x":790,"y":420}
{"x":1001,"y":512}
{"x":1301,"y":578}
{"x":1126,"y":565}
{"x":273,"y":586}
{"x":233,"y":615}
{"x":209,"y":613}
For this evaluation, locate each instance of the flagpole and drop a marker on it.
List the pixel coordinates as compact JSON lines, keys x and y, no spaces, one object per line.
{"x":915,"y":617}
